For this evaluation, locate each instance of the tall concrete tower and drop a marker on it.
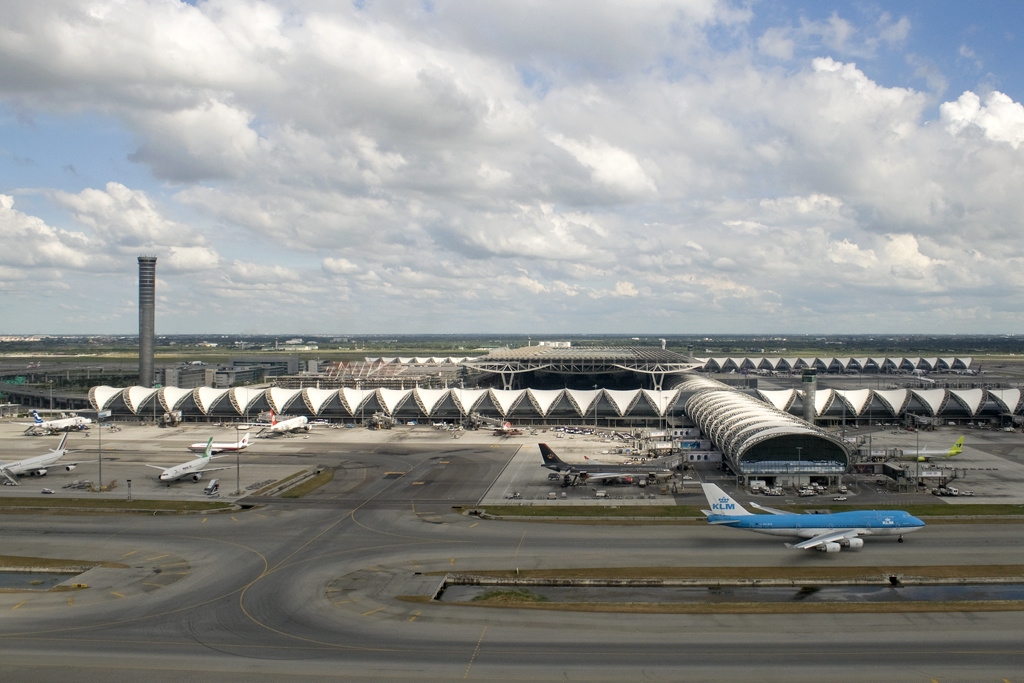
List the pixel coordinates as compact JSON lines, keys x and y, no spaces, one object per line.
{"x":147,"y":318}
{"x":810,"y":382}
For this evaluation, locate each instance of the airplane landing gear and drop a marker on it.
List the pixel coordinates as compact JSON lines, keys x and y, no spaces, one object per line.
{"x":899,"y":540}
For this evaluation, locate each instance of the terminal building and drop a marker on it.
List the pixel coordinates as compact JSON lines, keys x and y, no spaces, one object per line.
{"x":764,"y":434}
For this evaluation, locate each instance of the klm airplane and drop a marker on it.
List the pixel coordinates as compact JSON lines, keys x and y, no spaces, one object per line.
{"x":828,"y":533}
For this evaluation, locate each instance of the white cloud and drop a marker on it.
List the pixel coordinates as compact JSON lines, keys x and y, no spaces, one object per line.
{"x":185,"y":259}
{"x":1000,"y":119}
{"x":210,"y":140}
{"x":126,"y":219}
{"x":610,"y":166}
{"x":29,"y":242}
{"x":776,"y":42}
{"x":339,"y":266}
{"x":571,"y":164}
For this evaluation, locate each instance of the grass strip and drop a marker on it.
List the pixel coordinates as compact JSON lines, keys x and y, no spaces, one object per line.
{"x":510,"y":598}
{"x":19,"y":562}
{"x":109,"y":504}
{"x":507,"y":596}
{"x":279,"y":483}
{"x":871,"y":573}
{"x":310,"y":485}
{"x":693,"y":512}
{"x":680,"y":512}
{"x":755,"y":607}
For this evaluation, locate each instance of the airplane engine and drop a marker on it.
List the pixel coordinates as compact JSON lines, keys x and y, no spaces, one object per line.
{"x":70,"y":467}
{"x":831,"y":547}
{"x":197,"y":476}
{"x":307,"y":427}
{"x":854,"y":543}
{"x":38,"y":473}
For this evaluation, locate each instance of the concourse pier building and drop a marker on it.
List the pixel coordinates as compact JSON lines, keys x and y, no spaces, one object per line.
{"x":619,"y":388}
{"x":772,"y":435}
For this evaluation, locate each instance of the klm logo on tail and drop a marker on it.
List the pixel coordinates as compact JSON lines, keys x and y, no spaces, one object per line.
{"x":723,"y":504}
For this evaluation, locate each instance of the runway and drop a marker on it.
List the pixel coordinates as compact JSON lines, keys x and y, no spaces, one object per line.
{"x":313,"y":591}
{"x":311,"y":594}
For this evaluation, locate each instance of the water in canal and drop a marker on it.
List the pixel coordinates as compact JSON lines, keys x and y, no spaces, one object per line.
{"x":32,"y":580}
{"x":730,"y":594}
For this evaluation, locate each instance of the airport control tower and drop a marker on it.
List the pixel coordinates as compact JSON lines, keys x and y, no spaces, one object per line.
{"x":809,"y":380}
{"x":147,"y":315}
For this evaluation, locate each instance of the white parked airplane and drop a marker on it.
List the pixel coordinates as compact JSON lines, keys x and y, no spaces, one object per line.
{"x":63,"y":424}
{"x":193,"y":469}
{"x":294,"y":424}
{"x":223,"y":446}
{"x":37,"y":465}
{"x":926,"y":454}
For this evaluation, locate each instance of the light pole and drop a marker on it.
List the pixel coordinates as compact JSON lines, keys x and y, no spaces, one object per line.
{"x":596,"y":400}
{"x":917,"y":460}
{"x":238,"y":466}
{"x":871,"y":424}
{"x":843,"y":401}
{"x":99,"y":449}
{"x":799,"y":465}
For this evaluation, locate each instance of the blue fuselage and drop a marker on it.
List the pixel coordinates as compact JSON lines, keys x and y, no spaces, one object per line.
{"x":871,"y":522}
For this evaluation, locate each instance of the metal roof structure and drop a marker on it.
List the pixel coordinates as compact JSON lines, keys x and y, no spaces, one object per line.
{"x":552,"y":403}
{"x":655,"y":364}
{"x":757,"y":438}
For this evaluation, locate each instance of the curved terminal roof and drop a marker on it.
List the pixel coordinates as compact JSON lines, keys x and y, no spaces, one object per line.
{"x":757,"y":438}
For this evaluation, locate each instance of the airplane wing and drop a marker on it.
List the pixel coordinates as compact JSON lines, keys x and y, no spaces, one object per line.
{"x":213,"y":469}
{"x":771,"y":510}
{"x":155,"y":467}
{"x":609,"y":475}
{"x":832,"y":536}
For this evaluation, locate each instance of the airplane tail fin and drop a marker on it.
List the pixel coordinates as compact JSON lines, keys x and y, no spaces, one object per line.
{"x":245,"y":439}
{"x":209,"y":449}
{"x":62,"y":446}
{"x":957,"y":448}
{"x":551,"y":460}
{"x":721,"y":502}
{"x":273,"y":418}
{"x":35,"y":418}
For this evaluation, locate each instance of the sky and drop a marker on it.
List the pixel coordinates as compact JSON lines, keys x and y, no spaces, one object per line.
{"x":456,"y":166}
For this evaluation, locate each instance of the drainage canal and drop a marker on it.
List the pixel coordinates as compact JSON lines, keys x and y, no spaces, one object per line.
{"x":32,"y":580}
{"x":742,"y":594}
